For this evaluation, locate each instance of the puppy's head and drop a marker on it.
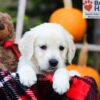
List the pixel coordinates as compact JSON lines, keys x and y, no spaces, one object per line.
{"x":47,"y":46}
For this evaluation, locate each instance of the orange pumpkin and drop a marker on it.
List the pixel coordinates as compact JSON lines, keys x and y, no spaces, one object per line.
{"x":71,"y":19}
{"x":87,"y":71}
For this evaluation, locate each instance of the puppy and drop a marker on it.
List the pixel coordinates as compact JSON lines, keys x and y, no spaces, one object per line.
{"x":44,"y":50}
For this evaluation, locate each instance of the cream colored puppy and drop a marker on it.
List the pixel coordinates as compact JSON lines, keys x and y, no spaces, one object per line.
{"x":44,"y":50}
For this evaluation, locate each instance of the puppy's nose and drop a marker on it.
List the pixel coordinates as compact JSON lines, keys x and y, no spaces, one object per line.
{"x":53,"y":62}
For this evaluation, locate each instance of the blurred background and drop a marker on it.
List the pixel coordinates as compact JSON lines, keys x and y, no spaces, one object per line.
{"x":39,"y":11}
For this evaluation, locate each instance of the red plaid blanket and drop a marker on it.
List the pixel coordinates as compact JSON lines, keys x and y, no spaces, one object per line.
{"x":83,"y":88}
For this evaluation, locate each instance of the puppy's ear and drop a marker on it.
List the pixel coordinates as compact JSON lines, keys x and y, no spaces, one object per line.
{"x":70,"y":46}
{"x":26,"y":45}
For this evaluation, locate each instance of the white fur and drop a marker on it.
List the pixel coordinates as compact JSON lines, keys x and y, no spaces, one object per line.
{"x":34,"y":59}
{"x":74,"y":73}
{"x":26,"y":72}
{"x":61,"y":81}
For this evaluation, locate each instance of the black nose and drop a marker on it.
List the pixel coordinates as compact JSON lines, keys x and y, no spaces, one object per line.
{"x":53,"y":62}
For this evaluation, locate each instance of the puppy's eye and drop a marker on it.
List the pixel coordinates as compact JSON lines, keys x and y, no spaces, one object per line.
{"x":61,"y":48}
{"x":44,"y":47}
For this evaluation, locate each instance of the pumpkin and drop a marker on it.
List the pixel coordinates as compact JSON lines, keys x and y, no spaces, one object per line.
{"x":86,"y":71}
{"x":71,"y":19}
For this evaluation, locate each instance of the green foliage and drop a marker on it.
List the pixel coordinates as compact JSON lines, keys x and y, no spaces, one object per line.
{"x":37,"y":11}
{"x":37,"y":21}
{"x":75,"y":60}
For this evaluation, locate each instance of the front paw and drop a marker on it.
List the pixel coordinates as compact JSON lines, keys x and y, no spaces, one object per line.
{"x":27,"y":78}
{"x":61,"y":81}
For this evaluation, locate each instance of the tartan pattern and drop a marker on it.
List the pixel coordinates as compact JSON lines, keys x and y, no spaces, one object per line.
{"x":84,"y":87}
{"x":12,"y":89}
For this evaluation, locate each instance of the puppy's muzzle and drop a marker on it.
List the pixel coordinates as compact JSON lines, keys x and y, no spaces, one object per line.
{"x":53,"y":62}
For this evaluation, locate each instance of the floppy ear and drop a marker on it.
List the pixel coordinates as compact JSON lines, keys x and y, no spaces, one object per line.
{"x":26,"y":45}
{"x":71,"y":49}
{"x":70,"y":46}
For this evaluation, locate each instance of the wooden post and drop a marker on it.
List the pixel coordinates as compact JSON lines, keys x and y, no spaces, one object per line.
{"x":91,"y":47}
{"x":20,"y":19}
{"x":67,"y":3}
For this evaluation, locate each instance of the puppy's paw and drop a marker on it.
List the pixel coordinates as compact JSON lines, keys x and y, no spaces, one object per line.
{"x":27,"y":77}
{"x":61,"y":81}
{"x":74,"y":73}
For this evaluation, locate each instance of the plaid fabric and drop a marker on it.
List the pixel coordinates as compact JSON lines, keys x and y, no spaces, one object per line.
{"x":12,"y":89}
{"x":84,"y":87}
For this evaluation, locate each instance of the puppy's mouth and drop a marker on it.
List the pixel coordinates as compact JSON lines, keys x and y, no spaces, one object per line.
{"x":50,"y":70}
